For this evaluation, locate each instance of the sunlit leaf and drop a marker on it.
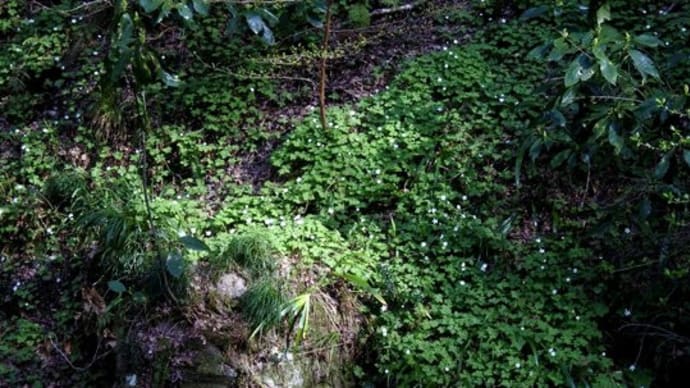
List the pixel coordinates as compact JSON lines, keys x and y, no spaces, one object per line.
{"x":185,"y":12}
{"x":255,"y":22}
{"x":169,"y":79}
{"x":201,"y":6}
{"x":603,"y":14}
{"x":643,"y":64}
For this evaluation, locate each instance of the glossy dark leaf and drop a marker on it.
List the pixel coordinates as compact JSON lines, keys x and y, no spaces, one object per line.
{"x":560,"y":158}
{"x":608,"y":70}
{"x":662,"y":168}
{"x":643,"y":64}
{"x":185,"y":12}
{"x":645,"y":209}
{"x":201,"y":7}
{"x":615,"y":139}
{"x":534,"y":12}
{"x":603,"y":14}
{"x":648,"y":40}
{"x":169,"y":79}
{"x":573,"y":73}
{"x":193,"y":243}
{"x":174,"y":264}
{"x":255,"y":22}
{"x":150,"y":5}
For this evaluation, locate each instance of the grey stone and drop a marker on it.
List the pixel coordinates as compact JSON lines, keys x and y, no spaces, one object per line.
{"x":231,"y":286}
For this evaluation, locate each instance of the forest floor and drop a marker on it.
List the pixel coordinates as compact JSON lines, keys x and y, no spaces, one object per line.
{"x":372,"y":55}
{"x":407,"y":243}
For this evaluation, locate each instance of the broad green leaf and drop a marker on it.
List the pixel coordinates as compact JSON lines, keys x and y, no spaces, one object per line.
{"x":600,"y":128}
{"x":573,"y":73}
{"x":267,"y":36}
{"x":647,"y":108}
{"x":568,"y":97}
{"x":645,"y":208}
{"x":363,"y":285}
{"x":586,"y":73}
{"x":608,"y":34}
{"x":258,"y":26}
{"x":175,"y":264}
{"x":201,"y":7}
{"x":560,"y":48}
{"x":232,"y":27}
{"x":615,"y":139}
{"x":320,"y":6}
{"x":165,"y":10}
{"x":648,"y":40}
{"x":643,"y":64}
{"x":535,"y":149}
{"x":560,"y":158}
{"x":270,"y":18}
{"x":117,"y":286}
{"x":603,"y":14}
{"x":534,"y":12}
{"x":557,"y":118}
{"x":662,"y":168}
{"x":608,"y":70}
{"x":193,"y":243}
{"x":686,"y":157}
{"x":150,"y":5}
{"x":125,"y":28}
{"x":184,"y":11}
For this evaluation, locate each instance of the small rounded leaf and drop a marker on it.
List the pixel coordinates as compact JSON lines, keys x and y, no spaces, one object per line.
{"x":116,"y":286}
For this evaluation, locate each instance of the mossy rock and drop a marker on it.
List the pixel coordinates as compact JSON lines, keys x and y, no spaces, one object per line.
{"x":210,"y":370}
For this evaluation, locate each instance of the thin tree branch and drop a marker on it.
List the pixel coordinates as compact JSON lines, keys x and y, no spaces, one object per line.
{"x":95,"y":357}
{"x":387,"y":11}
{"x":322,"y":78}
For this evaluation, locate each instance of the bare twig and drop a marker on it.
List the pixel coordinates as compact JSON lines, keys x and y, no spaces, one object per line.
{"x":322,"y":78}
{"x":655,"y":331}
{"x":251,"y":76}
{"x":584,"y":194}
{"x":387,"y":11}
{"x":95,"y":357}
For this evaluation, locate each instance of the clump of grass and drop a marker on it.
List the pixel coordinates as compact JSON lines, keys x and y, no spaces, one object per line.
{"x":251,"y":250}
{"x":64,"y":189}
{"x":261,"y":304}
